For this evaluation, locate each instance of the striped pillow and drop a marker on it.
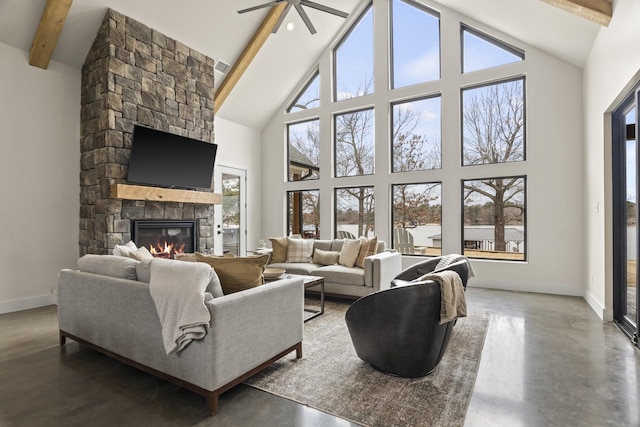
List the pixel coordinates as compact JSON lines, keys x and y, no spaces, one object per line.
{"x":299,"y":250}
{"x":368,"y":247}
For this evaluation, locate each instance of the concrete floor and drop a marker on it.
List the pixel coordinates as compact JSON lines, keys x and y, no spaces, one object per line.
{"x":547,"y":361}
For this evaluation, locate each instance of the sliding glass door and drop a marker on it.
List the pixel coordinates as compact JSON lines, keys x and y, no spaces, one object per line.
{"x":626,"y":158}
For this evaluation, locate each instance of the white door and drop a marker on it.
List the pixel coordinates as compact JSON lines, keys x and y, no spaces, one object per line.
{"x":230,"y":217}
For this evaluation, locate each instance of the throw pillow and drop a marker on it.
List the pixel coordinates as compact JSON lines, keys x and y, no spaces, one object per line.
{"x":325,"y":257}
{"x":124,"y":250}
{"x":279,"y":246}
{"x":299,"y":250}
{"x":368,"y":247}
{"x":349,"y":253}
{"x":109,"y":265}
{"x":141,"y":254}
{"x":237,"y":273}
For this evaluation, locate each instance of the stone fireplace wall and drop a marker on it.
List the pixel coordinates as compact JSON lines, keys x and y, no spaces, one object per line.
{"x":134,"y":74}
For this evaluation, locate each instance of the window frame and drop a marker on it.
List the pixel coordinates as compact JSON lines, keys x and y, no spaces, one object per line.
{"x":392,"y":214}
{"x":524,"y":117}
{"x":525,"y":226}
{"x":334,"y":139}
{"x":336,"y":47}
{"x":314,"y":76}
{"x":289,"y":225}
{"x":489,"y":39}
{"x":428,"y":10}
{"x":335,"y":206}
{"x":392,"y":104}
{"x":288,"y":143}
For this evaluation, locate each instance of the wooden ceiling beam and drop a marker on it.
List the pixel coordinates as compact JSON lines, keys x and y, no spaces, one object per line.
{"x":49,"y":29}
{"x":598,"y":11}
{"x":248,"y":54}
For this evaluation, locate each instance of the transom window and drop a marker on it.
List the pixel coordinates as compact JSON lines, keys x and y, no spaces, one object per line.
{"x":483,"y":51}
{"x":309,"y":97}
{"x":353,"y":60}
{"x":415,"y":44}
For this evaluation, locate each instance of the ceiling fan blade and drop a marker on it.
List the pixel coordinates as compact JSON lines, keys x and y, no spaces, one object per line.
{"x":281,"y":18}
{"x":324,"y":8}
{"x":272,"y":3}
{"x":306,"y":19}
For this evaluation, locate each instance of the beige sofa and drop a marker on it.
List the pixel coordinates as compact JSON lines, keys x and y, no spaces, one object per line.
{"x":376,"y":274}
{"x":108,"y":307}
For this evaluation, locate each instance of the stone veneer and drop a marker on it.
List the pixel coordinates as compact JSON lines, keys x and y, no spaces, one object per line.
{"x":136,"y":75}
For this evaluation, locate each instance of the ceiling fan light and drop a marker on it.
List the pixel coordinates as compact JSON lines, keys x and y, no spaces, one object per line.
{"x":290,"y":26}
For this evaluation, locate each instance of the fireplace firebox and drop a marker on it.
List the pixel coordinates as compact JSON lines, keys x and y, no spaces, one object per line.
{"x":165,"y":238}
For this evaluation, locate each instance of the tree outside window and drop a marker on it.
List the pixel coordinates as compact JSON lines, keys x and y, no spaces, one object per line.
{"x":494,"y":218}
{"x":417,"y":218}
{"x":355,"y":212}
{"x":415,"y":135}
{"x":493,"y":123}
{"x":354,"y":143}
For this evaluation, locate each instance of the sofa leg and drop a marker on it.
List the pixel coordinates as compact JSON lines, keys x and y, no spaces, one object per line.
{"x":299,"y":351}
{"x":63,"y":339}
{"x":212,"y":402}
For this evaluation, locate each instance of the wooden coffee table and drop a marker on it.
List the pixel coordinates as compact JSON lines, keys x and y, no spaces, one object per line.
{"x":309,"y":282}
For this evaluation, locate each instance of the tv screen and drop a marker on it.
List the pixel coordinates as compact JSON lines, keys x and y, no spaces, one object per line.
{"x":168,"y":160}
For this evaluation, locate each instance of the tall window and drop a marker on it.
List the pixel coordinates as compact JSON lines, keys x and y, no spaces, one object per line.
{"x":354,"y":212}
{"x":354,"y":60}
{"x":414,"y":124}
{"x":304,"y":213}
{"x":415,"y":135}
{"x":493,"y":123}
{"x":309,"y":97}
{"x":483,"y":51}
{"x":417,"y":218}
{"x":354,"y":143}
{"x":415,"y":44}
{"x":494,"y":218}
{"x":304,"y":150}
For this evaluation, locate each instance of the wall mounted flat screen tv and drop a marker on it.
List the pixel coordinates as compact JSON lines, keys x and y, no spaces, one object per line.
{"x":164,"y":159}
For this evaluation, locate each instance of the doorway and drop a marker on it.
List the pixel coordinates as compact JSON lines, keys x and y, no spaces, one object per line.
{"x":626,"y":177}
{"x":230,"y":216}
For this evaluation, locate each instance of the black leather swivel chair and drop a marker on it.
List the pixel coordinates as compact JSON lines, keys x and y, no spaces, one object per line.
{"x":397,"y":330}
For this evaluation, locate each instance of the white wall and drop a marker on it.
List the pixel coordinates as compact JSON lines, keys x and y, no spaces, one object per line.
{"x":240,"y":147}
{"x":611,"y":66}
{"x":554,"y":167}
{"x":39,"y":177}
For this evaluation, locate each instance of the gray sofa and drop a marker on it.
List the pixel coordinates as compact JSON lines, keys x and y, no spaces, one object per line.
{"x":111,"y":311}
{"x":378,"y":272}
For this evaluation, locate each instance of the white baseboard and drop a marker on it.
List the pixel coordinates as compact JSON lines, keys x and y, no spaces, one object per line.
{"x":26,"y":303}
{"x":606,"y":314}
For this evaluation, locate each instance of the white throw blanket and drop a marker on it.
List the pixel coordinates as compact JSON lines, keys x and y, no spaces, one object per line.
{"x":453,"y":303}
{"x":178,"y":291}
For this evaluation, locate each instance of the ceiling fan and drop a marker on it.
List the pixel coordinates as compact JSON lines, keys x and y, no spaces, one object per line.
{"x":298,"y":5}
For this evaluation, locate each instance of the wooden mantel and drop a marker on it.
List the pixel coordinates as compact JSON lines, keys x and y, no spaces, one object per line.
{"x":157,"y":194}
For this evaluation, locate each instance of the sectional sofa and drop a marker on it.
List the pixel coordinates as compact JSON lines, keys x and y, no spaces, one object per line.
{"x":106,"y":305}
{"x":353,"y":281}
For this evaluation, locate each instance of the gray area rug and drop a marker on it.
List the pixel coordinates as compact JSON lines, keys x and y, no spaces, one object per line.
{"x":330,"y":377}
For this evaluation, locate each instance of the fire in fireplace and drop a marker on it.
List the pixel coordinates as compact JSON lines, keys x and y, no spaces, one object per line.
{"x":165,"y":238}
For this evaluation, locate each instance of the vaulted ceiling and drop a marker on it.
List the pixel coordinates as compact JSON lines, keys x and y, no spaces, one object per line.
{"x":214,"y":28}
